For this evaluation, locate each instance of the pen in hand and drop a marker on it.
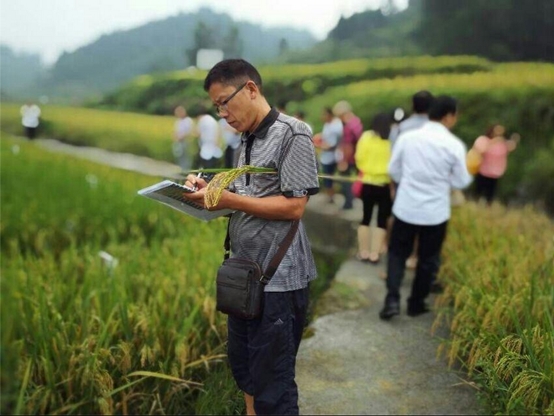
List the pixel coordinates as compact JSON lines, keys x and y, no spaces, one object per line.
{"x":195,"y":187}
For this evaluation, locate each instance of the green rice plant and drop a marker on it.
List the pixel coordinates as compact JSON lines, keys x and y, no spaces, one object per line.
{"x":117,"y":131}
{"x":499,"y":276}
{"x":85,"y":334}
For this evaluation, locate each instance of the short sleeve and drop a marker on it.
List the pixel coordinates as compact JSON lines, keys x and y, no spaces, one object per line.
{"x":298,"y":168}
{"x":481,"y":144}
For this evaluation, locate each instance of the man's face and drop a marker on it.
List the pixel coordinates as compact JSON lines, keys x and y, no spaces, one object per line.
{"x":451,"y":120}
{"x":239,"y":110}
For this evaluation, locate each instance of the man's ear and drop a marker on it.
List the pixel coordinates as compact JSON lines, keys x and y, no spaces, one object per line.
{"x":253,"y":89}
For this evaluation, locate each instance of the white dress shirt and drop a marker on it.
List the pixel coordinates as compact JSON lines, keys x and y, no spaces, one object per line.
{"x":415,"y":121}
{"x":208,"y":132}
{"x":331,"y":135}
{"x":427,"y":163}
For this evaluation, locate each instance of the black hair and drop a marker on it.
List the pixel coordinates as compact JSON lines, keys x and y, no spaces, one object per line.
{"x":233,"y":72}
{"x":328,"y":110}
{"x":442,"y":106}
{"x":301,"y":114}
{"x":381,"y":124}
{"x":422,"y":101}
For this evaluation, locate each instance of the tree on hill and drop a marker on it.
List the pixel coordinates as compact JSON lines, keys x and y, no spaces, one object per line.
{"x":203,"y":39}
{"x":165,"y":45}
{"x":232,"y":44}
{"x":499,"y":29}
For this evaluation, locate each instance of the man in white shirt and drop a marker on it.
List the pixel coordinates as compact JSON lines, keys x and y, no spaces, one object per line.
{"x":421,"y":102}
{"x":328,"y":141}
{"x":208,"y":140}
{"x":30,"y":114}
{"x":427,"y":163}
{"x":182,"y":133}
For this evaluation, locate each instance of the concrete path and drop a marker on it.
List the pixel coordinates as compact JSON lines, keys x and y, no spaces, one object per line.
{"x":357,"y":364}
{"x":354,"y":363}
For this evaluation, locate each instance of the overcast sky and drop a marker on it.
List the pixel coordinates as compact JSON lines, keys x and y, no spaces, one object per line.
{"x":49,"y":27}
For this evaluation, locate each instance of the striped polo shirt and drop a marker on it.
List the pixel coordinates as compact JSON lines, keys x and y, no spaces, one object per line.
{"x":285,"y":144}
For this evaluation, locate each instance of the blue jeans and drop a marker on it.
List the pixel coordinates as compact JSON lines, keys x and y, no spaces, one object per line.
{"x":346,"y":187}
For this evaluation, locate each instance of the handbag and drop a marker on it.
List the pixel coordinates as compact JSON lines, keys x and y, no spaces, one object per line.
{"x":240,"y":282}
{"x":357,"y":186}
{"x":473,"y":161}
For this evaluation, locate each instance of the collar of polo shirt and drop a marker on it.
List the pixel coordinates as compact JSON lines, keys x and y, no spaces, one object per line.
{"x":263,"y":128}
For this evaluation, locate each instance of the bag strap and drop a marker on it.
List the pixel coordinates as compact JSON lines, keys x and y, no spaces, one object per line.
{"x":277,"y":257}
{"x":283,"y":247}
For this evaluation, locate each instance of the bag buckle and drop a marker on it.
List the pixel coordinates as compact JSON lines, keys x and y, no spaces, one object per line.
{"x":264,"y":280}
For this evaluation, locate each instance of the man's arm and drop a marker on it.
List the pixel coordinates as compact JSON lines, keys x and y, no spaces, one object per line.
{"x":461,"y":177}
{"x":276,"y":207}
{"x":395,"y":163}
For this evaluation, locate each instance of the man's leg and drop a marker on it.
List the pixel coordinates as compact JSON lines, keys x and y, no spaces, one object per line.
{"x":431,"y":239}
{"x":346,"y":188}
{"x":273,"y":347}
{"x":400,"y":247}
{"x":238,"y":355}
{"x":249,"y":401}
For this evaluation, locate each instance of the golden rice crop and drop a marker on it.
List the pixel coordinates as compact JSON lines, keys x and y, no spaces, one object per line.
{"x":135,"y":332}
{"x":499,"y":275}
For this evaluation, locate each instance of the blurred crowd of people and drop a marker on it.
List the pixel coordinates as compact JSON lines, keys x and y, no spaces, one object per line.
{"x":215,"y":141}
{"x":410,"y":171}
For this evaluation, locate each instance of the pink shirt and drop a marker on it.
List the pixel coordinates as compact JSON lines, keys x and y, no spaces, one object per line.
{"x":351,"y":133}
{"x":495,"y":156}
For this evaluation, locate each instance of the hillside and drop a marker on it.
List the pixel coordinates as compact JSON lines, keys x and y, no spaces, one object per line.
{"x":162,"y":45}
{"x":18,"y":71}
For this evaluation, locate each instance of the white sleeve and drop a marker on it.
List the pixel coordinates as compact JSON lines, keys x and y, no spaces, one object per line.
{"x":460,"y":177}
{"x":395,"y":163}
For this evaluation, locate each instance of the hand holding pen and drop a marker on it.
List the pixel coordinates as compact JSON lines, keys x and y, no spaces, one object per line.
{"x":195,"y":184}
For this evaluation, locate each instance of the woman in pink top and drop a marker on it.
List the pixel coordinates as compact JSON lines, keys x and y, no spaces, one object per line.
{"x":493,"y":148}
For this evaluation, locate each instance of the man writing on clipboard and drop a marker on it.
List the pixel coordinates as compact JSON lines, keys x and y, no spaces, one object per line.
{"x":262,"y":352}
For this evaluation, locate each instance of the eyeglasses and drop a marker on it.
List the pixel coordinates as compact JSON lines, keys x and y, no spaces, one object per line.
{"x":223,"y":106}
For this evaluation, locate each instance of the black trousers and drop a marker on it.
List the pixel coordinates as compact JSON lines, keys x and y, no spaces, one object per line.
{"x":376,"y":195}
{"x":403,"y":234}
{"x":262,"y":352}
{"x":485,"y":187}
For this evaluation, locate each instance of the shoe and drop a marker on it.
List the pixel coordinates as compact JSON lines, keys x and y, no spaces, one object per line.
{"x":362,"y":259}
{"x":373,"y":258}
{"x":436,"y":287}
{"x":419,"y":310}
{"x":390,"y":309}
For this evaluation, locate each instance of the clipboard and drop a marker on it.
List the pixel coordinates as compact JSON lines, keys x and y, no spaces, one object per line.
{"x":171,"y":194}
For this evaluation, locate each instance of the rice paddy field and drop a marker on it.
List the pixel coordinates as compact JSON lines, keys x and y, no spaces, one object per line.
{"x":498,"y":271}
{"x":107,"y":297}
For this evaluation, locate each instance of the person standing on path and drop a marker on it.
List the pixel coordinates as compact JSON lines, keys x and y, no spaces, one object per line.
{"x":426,"y":163}
{"x":328,"y":141}
{"x":494,"y":149}
{"x":372,"y":156}
{"x":30,"y":115}
{"x":262,"y":352}
{"x":352,"y":130}
{"x":421,"y":103}
{"x":182,"y":134}
{"x":210,"y":152}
